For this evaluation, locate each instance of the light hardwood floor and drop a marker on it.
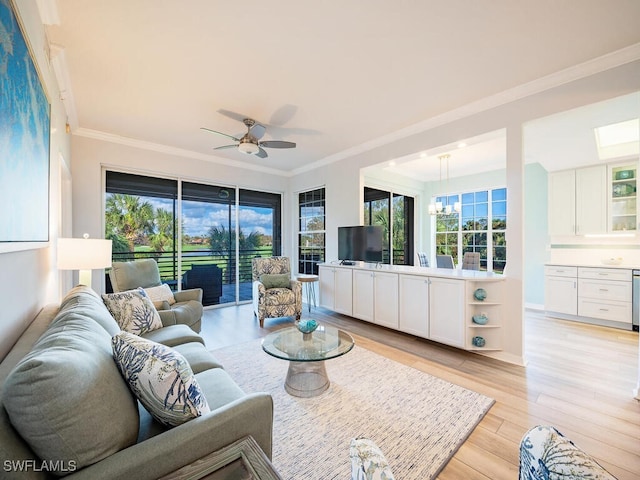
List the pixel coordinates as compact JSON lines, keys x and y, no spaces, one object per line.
{"x":579,"y":378}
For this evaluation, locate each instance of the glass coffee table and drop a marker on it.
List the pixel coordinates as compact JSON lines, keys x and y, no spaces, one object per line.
{"x":306,"y":353}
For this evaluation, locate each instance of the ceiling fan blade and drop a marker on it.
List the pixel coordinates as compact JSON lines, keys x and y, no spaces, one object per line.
{"x":277,"y":144}
{"x":226,"y":146}
{"x":220,"y":133}
{"x":228,"y":113}
{"x":261,"y":153}
{"x":258,"y":131}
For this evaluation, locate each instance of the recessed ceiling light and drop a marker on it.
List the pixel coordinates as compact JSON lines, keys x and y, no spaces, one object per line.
{"x":423,"y":155}
{"x":462,"y":145}
{"x":392,"y":163}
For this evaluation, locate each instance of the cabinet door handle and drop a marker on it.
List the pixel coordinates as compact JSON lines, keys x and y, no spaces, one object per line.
{"x":603,"y":274}
{"x":604,"y":309}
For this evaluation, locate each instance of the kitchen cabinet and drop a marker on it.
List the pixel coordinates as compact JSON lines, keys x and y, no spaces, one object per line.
{"x":623,"y":200}
{"x":375,"y":297}
{"x":578,"y":201}
{"x":336,"y":287}
{"x":446,"y":311}
{"x":436,"y":304}
{"x":414,"y":305}
{"x":561,"y":289}
{"x":590,"y":294}
{"x":605,"y":293}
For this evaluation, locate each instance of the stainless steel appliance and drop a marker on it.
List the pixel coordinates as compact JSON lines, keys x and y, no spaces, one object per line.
{"x":636,"y":300}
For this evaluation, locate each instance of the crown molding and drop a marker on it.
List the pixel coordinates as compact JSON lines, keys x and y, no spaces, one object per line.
{"x":591,"y":67}
{"x":179,"y":152}
{"x":61,"y":72}
{"x":48,"y":10}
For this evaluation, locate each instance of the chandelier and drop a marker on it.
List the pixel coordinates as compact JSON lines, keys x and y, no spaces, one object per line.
{"x":436,"y":208}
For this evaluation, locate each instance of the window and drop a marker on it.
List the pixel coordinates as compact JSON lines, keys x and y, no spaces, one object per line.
{"x":311,"y":237}
{"x":395,"y":213}
{"x":480,"y":227}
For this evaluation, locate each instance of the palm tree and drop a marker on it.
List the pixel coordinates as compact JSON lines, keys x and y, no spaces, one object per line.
{"x":162,"y":238}
{"x":129,"y":217}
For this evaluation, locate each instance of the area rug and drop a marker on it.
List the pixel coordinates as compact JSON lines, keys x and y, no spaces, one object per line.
{"x":418,"y":420}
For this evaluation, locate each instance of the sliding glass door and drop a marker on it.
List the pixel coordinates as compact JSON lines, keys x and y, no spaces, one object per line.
{"x":222,"y":229}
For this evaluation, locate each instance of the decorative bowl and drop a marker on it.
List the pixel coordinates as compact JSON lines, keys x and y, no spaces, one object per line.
{"x":481,"y":319}
{"x":624,"y":174}
{"x":478,"y":341}
{"x":307,"y":326}
{"x":480,"y":294}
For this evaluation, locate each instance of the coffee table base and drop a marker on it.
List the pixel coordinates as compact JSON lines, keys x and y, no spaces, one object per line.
{"x":306,"y":379}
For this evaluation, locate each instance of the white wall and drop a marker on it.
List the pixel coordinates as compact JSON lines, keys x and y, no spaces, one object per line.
{"x":28,"y":280}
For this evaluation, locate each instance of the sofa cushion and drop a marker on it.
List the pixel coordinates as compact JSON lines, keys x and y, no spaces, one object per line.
{"x":133,"y":311}
{"x":273,"y":280}
{"x":84,"y":300}
{"x":160,"y":293}
{"x":198,"y":357}
{"x":66,"y":398}
{"x":173,"y":335}
{"x":160,"y":378}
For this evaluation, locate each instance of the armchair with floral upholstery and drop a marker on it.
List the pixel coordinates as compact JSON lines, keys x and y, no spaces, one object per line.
{"x":275,"y":294}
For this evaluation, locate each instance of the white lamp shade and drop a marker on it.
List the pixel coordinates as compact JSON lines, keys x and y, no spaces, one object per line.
{"x":83,"y":253}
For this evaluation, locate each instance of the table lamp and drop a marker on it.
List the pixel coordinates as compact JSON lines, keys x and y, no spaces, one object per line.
{"x":84,"y":254}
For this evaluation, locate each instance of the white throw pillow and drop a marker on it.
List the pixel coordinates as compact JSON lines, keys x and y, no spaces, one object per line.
{"x":160,"y":378}
{"x":133,"y":311}
{"x":160,"y":293}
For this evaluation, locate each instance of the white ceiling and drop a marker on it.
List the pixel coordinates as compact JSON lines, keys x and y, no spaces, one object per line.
{"x":331,"y":76}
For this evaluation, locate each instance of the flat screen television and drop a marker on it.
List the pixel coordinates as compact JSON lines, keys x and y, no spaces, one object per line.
{"x":360,"y":243}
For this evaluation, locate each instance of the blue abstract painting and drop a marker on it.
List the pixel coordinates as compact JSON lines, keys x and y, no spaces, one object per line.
{"x":24,"y":138}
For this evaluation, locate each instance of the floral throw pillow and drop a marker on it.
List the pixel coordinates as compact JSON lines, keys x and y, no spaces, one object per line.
{"x":133,"y":310}
{"x":367,"y":461}
{"x":160,"y":378}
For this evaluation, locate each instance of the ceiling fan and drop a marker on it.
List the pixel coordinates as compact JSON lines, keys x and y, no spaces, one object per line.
{"x":250,"y":142}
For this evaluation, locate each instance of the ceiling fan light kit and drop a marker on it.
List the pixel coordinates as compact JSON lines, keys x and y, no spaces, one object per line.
{"x":248,"y":148}
{"x":250,"y":143}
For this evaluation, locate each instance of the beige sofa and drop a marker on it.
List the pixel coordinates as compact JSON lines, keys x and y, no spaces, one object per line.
{"x":64,"y":397}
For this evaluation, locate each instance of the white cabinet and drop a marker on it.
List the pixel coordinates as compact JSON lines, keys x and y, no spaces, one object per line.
{"x":439,"y":308}
{"x":446,"y":311}
{"x":623,"y":199}
{"x":414,"y":305}
{"x":590,"y":292}
{"x":562,"y":203}
{"x":578,"y":201}
{"x":591,"y":200}
{"x":561,"y":289}
{"x":336,"y":289}
{"x":363,"y":295}
{"x":605,"y":293}
{"x":375,"y":297}
{"x":385,"y":295}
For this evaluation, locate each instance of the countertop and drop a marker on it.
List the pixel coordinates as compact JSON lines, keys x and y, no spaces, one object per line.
{"x":622,"y":266}
{"x":422,"y":271}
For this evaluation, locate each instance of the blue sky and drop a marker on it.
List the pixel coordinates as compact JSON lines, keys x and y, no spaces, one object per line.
{"x":198,"y":217}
